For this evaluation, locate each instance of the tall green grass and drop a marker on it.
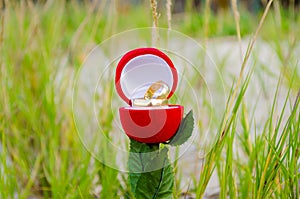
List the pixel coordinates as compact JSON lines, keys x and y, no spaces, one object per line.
{"x":41,"y":154}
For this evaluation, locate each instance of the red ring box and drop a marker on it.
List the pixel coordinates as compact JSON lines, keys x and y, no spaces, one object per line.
{"x":135,"y":72}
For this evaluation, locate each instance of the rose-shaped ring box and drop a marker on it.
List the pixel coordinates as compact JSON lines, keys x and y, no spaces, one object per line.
{"x":135,"y":73}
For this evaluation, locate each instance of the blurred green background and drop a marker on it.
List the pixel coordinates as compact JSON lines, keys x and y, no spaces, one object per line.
{"x":43,"y":44}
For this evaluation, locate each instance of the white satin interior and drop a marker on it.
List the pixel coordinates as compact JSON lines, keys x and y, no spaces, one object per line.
{"x":142,"y":71}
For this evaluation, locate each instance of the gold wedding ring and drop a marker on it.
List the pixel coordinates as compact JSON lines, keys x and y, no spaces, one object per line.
{"x":158,"y":86}
{"x":159,"y":100}
{"x":149,"y":102}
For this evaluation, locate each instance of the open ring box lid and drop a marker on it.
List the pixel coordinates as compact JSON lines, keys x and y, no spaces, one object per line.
{"x":139,"y":69}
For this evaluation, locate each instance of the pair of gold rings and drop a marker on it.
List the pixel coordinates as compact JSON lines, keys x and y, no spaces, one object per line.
{"x":150,"y":99}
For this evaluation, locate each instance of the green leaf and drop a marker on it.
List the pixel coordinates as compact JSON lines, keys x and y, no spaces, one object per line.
{"x":140,"y":154}
{"x":185,"y":130}
{"x":158,"y":183}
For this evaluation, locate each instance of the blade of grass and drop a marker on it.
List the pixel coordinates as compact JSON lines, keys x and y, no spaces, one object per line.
{"x":237,"y":24}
